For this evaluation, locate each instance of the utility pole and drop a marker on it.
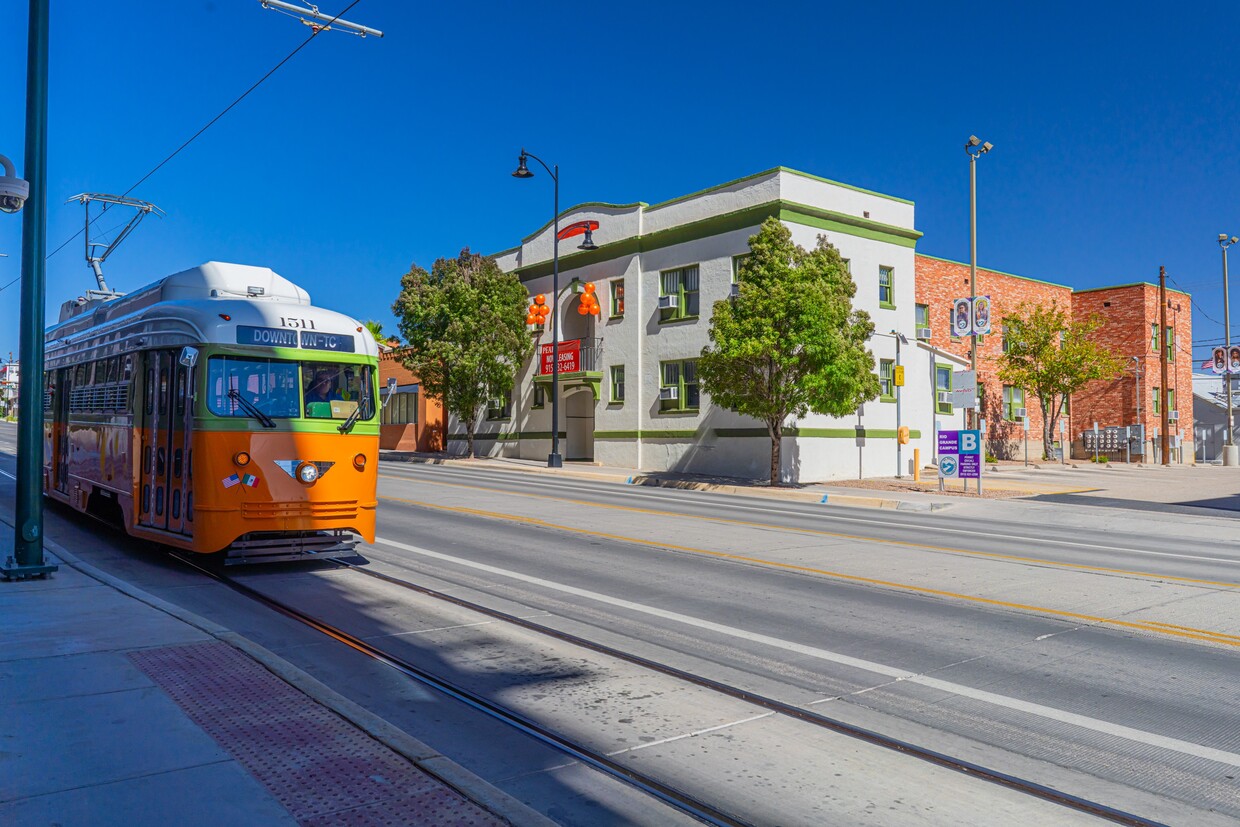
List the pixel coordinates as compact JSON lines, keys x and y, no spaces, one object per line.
{"x":1165,"y":447}
{"x":1231,"y":456}
{"x":27,"y":560}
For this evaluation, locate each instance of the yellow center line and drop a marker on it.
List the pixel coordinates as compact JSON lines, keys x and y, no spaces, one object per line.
{"x":993,"y":555}
{"x":1147,"y":626}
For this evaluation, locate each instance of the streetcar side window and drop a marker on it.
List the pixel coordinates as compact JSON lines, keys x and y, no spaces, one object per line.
{"x":335,"y":391}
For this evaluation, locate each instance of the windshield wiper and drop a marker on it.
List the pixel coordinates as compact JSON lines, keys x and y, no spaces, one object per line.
{"x":348,"y":424}
{"x":250,"y":408}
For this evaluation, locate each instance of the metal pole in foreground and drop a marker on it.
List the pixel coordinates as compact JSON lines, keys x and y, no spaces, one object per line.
{"x":982,"y":149}
{"x":1231,"y":456}
{"x":1164,"y":450}
{"x":27,"y":559}
{"x":899,"y":446}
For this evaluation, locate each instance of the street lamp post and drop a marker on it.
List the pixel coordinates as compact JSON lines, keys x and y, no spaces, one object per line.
{"x":27,"y":560}
{"x":1231,"y":454}
{"x":973,"y":148}
{"x":554,"y":460}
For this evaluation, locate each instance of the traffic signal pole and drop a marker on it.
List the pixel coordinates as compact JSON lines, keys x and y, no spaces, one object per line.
{"x":27,"y":559}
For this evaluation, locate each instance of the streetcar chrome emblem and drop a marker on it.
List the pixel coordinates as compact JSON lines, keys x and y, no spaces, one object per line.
{"x":290,"y":466}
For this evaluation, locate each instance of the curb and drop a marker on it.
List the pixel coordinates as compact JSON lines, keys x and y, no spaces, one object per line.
{"x":821,"y":497}
{"x":471,"y":786}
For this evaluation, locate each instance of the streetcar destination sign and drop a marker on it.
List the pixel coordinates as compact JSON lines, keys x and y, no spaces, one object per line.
{"x":339,"y":342}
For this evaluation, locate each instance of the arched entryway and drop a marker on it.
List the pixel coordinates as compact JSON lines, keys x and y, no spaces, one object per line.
{"x":579,"y":424}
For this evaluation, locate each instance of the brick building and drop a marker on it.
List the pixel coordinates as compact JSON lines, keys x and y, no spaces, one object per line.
{"x":410,"y":421}
{"x":1130,"y":329}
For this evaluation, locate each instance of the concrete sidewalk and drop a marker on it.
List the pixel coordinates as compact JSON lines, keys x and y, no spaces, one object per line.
{"x":122,"y":709}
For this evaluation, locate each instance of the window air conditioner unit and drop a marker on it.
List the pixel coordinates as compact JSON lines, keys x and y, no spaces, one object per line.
{"x":495,"y":403}
{"x":1020,"y":413}
{"x":735,"y":291}
{"x":943,"y":397}
{"x":669,"y":393}
{"x":923,"y":334}
{"x":669,"y":302}
{"x":1174,"y":416}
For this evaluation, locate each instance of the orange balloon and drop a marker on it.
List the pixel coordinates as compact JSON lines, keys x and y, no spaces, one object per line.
{"x":541,"y":298}
{"x":594,"y":310}
{"x":544,"y":310}
{"x":531,"y":319}
{"x":589,"y":288}
{"x":582,"y":310}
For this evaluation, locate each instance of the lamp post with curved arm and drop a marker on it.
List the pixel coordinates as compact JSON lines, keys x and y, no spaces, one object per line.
{"x":1230,"y":454}
{"x":975,"y":148}
{"x":554,"y":460}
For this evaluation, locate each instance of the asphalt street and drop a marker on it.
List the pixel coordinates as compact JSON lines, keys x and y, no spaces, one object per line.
{"x":1100,"y":662}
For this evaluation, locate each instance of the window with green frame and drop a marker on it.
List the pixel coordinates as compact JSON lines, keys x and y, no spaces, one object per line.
{"x":1170,"y":337}
{"x":737,"y":261}
{"x":1171,"y":399}
{"x":1067,"y":405}
{"x":617,"y":383}
{"x":681,"y":375}
{"x":540,"y":396}
{"x":922,"y":316}
{"x":617,"y":298}
{"x":1157,"y":401}
{"x":683,"y":284}
{"x":886,"y":380}
{"x":500,"y":407}
{"x":1013,"y":401}
{"x":886,"y":286}
{"x":1153,"y":337}
{"x":942,"y":382}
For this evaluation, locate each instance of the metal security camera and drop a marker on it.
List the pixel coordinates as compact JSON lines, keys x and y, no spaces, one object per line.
{"x":973,"y":141}
{"x":986,"y":147}
{"x":13,"y":190}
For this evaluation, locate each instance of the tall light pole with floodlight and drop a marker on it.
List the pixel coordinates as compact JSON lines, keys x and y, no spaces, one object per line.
{"x":974,"y":147}
{"x":554,"y":460}
{"x":1231,"y":455}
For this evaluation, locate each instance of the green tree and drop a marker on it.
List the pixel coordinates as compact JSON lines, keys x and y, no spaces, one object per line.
{"x":464,"y":329}
{"x":1051,"y":356}
{"x":791,"y":342}
{"x":376,"y":330}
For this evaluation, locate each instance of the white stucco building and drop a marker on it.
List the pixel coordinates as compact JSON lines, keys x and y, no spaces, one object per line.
{"x":10,"y":375}
{"x":639,"y":349}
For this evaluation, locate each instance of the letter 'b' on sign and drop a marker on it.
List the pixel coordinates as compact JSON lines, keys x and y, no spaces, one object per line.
{"x":970,"y":442}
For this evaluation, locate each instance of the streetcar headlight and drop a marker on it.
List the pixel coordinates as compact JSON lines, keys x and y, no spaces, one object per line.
{"x":241,"y":458}
{"x":308,"y":473}
{"x":359,"y":462}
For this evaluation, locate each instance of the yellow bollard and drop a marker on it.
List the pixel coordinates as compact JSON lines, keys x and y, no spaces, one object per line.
{"x":916,"y":465}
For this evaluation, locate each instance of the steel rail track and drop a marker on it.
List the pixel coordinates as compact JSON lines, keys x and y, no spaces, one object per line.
{"x":869,"y":736}
{"x":681,"y":801}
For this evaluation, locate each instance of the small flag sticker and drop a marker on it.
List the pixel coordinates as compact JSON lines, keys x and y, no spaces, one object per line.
{"x":250,"y":480}
{"x":229,"y":482}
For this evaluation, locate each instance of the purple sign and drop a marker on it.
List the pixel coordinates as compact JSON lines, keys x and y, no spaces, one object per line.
{"x":949,"y":442}
{"x":970,"y":466}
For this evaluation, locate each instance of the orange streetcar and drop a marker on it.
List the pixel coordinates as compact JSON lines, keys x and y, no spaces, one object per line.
{"x":216,"y":410}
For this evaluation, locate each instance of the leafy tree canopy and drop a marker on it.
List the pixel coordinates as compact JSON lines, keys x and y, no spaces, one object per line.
{"x":791,"y":343}
{"x":464,"y":328}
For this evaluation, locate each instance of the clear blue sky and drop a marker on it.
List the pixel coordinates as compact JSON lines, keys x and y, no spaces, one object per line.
{"x":1116,"y":130}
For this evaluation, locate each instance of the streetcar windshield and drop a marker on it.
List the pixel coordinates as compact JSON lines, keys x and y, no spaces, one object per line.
{"x":278,"y":389}
{"x":270,"y":385}
{"x":335,"y":391}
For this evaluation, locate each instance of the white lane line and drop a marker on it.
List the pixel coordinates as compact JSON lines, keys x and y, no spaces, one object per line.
{"x":693,"y":734}
{"x":971,"y":533}
{"x":1047,"y":712}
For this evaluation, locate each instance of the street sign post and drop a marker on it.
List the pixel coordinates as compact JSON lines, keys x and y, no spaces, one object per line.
{"x":964,"y":389}
{"x":960,"y":456}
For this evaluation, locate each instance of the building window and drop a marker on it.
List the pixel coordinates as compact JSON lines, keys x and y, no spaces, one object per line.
{"x":1157,"y":401}
{"x":942,"y":384}
{"x":1013,"y":402}
{"x":678,"y":389}
{"x":847,"y":262}
{"x":737,"y":261}
{"x":1170,"y":344}
{"x":401,"y":409}
{"x":1010,"y":329}
{"x":886,"y":287}
{"x":617,"y":383}
{"x":1171,"y":400}
{"x":1153,"y":337}
{"x":540,"y":396}
{"x":617,"y":298}
{"x":922,"y":316}
{"x":682,"y":283}
{"x":981,"y":399}
{"x":500,"y":407}
{"x":886,"y":381}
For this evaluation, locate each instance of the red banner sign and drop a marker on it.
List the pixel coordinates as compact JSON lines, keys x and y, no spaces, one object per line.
{"x":570,"y":358}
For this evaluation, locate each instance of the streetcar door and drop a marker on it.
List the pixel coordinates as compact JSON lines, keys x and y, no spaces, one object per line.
{"x":158,"y":406}
{"x":180,"y":413}
{"x":60,"y":427}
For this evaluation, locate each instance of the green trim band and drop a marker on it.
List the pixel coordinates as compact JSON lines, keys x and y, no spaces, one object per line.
{"x":747,"y":218}
{"x":818,"y":433}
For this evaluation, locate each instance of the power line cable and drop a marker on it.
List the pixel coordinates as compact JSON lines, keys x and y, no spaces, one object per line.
{"x":315,"y":31}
